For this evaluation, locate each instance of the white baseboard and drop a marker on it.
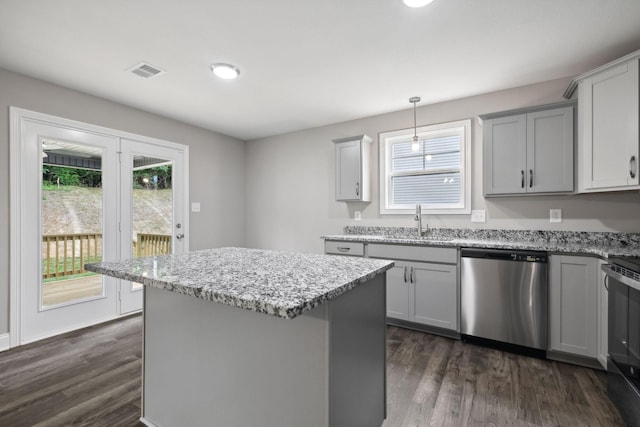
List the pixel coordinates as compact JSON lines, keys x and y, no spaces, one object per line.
{"x":5,"y":342}
{"x":146,"y":422}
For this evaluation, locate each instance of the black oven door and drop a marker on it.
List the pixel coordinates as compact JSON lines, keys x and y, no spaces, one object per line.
{"x":623,"y":378}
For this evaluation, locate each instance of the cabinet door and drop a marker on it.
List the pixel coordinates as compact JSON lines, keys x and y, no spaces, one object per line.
{"x":505,"y":155}
{"x":609,"y":127}
{"x":550,"y":151}
{"x":435,"y":293}
{"x":398,"y":291}
{"x":348,"y":170}
{"x":603,"y":314}
{"x":573,"y":283}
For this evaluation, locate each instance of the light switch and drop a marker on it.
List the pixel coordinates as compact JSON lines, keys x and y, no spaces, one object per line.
{"x":195,"y":207}
{"x":478,"y":215}
{"x":555,"y":215}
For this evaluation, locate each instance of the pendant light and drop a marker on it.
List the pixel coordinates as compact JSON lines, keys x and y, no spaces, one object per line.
{"x":415,"y":142}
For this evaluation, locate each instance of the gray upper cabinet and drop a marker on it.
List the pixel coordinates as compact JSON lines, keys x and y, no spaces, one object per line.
{"x":608,"y":126}
{"x":352,"y":168}
{"x":505,"y":155}
{"x":530,"y":152}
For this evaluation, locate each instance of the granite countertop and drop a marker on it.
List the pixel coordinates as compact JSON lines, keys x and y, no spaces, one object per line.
{"x":579,"y":243}
{"x":283,"y":284}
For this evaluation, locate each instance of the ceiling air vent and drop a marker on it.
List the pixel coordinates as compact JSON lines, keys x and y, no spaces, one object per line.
{"x":146,"y":71}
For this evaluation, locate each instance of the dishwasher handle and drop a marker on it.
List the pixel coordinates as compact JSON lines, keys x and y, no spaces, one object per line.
{"x":505,"y":255}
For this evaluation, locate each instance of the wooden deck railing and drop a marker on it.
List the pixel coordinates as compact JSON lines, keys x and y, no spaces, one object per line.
{"x":66,"y":254}
{"x":152,"y":244}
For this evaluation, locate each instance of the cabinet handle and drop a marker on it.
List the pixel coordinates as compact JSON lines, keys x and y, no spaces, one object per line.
{"x":632,"y":166}
{"x":343,"y":249}
{"x":522,"y":179}
{"x":357,"y":188}
{"x":405,"y":274}
{"x":530,"y":178}
{"x":411,"y":275}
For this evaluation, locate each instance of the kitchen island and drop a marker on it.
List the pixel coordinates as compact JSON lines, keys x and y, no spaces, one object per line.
{"x":247,"y":337}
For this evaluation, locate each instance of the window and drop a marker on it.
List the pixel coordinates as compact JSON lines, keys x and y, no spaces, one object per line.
{"x":437,"y":175}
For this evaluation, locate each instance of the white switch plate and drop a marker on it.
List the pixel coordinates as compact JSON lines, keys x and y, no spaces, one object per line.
{"x":478,"y":215}
{"x":357,"y":215}
{"x":195,"y":207}
{"x":555,"y":215}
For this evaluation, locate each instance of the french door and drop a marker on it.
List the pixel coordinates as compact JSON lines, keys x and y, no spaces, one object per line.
{"x":150,"y":211}
{"x":82,"y":194}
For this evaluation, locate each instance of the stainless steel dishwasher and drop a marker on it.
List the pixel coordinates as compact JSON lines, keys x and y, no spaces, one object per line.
{"x":504,"y":299}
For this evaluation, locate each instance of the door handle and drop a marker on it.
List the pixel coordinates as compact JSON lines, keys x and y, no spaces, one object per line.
{"x":633,"y":165}
{"x":411,"y":275}
{"x":522,"y":179}
{"x":530,"y":178}
{"x":179,"y":236}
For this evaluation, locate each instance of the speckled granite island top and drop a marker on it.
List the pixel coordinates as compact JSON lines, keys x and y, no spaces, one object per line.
{"x":283,"y":284}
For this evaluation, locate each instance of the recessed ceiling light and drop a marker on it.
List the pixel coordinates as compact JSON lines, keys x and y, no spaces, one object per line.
{"x":225,"y":71}
{"x":416,"y":3}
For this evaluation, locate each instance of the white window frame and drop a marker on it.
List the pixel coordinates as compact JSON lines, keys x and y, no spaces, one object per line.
{"x":387,"y":138}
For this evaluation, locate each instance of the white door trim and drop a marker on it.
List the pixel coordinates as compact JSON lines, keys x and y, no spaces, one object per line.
{"x":17,"y":119}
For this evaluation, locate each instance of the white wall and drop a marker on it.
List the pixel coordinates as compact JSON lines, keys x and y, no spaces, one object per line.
{"x":217,"y":176}
{"x":290,"y":180}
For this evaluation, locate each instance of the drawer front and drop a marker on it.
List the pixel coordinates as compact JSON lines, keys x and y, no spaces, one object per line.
{"x":414,"y":253}
{"x":344,"y":248}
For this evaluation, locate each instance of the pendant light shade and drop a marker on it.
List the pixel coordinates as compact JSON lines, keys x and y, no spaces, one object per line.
{"x":415,"y":142}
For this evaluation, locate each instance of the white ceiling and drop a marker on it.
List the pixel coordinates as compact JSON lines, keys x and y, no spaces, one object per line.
{"x":307,"y":63}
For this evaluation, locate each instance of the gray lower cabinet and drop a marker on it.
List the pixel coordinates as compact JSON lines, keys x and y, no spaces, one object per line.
{"x":573,"y":309}
{"x":343,"y":248}
{"x":434,"y":299}
{"x":603,"y":314}
{"x":398,"y":291}
{"x":421,"y":292}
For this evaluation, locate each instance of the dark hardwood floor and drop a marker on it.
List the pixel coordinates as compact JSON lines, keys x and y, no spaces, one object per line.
{"x":435,"y":381}
{"x":92,"y":377}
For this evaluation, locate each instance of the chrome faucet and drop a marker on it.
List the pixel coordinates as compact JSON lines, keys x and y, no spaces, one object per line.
{"x":418,"y":218}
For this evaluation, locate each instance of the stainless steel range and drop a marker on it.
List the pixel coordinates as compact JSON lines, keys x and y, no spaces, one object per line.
{"x":623,"y":363}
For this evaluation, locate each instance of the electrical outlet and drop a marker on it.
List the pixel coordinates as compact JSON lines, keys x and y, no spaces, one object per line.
{"x":555,"y":215}
{"x":357,"y":215}
{"x":195,"y":207}
{"x":479,"y":215}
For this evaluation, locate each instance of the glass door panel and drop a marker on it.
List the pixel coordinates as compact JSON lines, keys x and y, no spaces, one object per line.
{"x":153,"y":223}
{"x":152,"y":207}
{"x":71,"y":223}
